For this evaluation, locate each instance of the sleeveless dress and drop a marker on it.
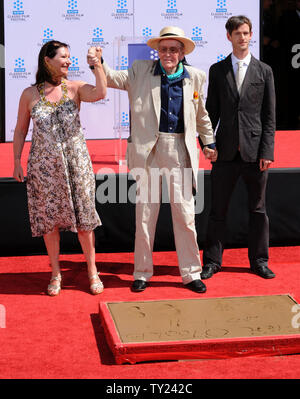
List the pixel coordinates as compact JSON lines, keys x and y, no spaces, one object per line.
{"x":60,"y":177}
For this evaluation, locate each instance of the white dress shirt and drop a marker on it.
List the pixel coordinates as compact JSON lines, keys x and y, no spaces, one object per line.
{"x":235,"y":61}
{"x":240,"y":69}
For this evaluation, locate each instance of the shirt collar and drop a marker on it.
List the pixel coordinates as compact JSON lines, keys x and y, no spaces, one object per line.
{"x":246,"y":60}
{"x":158,"y":71}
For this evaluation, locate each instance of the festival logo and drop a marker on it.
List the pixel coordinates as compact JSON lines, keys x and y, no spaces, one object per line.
{"x":221,"y":6}
{"x":72,"y":13}
{"x":47,"y":35}
{"x":197,"y":37}
{"x":122,"y":11}
{"x":153,"y":55}
{"x":221,"y":57}
{"x":122,"y":63}
{"x":221,"y":11}
{"x":19,"y":70}
{"x":18,"y":13}
{"x":98,"y":38}
{"x":146,"y":33}
{"x":125,"y":120}
{"x":252,"y":43}
{"x":74,"y":71}
{"x":172,"y":11}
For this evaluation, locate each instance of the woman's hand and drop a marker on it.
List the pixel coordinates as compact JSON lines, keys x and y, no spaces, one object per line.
{"x":18,"y":171}
{"x":94,"y":56}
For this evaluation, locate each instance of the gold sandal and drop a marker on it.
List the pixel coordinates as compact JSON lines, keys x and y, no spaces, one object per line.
{"x":54,"y":289}
{"x":97,"y":287}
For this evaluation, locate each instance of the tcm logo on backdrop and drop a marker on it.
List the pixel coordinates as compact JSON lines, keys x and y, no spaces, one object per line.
{"x":18,"y":8}
{"x":221,"y":10}
{"x":197,"y":37}
{"x":154,"y":55}
{"x":146,"y":33}
{"x":19,"y":69}
{"x":74,"y":71}
{"x":18,"y":13}
{"x":72,"y":12}
{"x":172,"y":11}
{"x":125,"y":120}
{"x":97,"y":38}
{"x":19,"y":65}
{"x":221,"y":6}
{"x":121,"y":11}
{"x":252,"y":43}
{"x":47,"y":35}
{"x":122,"y":63}
{"x":123,"y":123}
{"x":72,"y":7}
{"x":220,"y":57}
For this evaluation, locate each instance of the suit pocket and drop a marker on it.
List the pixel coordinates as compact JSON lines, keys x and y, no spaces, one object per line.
{"x":255,"y":133}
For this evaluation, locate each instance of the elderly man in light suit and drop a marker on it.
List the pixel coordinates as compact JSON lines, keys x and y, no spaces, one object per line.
{"x":167,"y":111}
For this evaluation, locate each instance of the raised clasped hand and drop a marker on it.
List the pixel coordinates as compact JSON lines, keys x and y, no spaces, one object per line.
{"x":94,"y":56}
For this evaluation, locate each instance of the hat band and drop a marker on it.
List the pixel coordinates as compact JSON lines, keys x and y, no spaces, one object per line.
{"x":168,"y":34}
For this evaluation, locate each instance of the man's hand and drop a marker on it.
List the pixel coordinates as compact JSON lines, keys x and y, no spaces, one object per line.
{"x":94,"y":56}
{"x":210,"y":154}
{"x":264,"y":164}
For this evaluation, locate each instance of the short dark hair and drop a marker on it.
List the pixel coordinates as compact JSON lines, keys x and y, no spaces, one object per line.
{"x":49,"y":49}
{"x":235,"y":22}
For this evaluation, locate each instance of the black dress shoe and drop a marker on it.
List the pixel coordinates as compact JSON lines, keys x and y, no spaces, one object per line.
{"x":263,"y":271}
{"x":196,"y":286}
{"x":138,"y":285}
{"x":208,"y":271}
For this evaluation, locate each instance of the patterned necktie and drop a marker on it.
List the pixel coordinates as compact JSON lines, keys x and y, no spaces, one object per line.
{"x":239,"y":76}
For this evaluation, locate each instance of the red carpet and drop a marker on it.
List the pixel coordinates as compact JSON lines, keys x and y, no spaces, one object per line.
{"x":103,"y":154}
{"x":62,"y":338}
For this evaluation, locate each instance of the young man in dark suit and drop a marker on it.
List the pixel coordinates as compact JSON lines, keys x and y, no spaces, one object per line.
{"x":241,"y":105}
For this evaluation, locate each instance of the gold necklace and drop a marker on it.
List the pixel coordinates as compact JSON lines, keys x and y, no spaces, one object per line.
{"x":57,"y":103}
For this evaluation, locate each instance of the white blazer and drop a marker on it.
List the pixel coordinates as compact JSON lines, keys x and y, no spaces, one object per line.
{"x":143,"y":89}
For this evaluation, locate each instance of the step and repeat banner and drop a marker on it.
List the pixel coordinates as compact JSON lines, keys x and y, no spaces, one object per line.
{"x":114,"y":25}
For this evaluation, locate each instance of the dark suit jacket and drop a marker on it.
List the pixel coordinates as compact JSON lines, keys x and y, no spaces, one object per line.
{"x":247,"y":120}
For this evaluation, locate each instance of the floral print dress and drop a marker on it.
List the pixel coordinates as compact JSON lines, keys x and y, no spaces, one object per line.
{"x":60,"y":177}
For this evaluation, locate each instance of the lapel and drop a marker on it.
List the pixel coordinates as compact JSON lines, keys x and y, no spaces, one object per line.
{"x":155,"y":90}
{"x":229,"y":74}
{"x":250,"y":76}
{"x":187,"y":86}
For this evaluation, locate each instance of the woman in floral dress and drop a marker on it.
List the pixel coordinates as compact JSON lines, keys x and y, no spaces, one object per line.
{"x":60,"y":178}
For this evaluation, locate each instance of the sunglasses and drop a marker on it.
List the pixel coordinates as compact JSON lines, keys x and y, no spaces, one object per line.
{"x":170,"y":50}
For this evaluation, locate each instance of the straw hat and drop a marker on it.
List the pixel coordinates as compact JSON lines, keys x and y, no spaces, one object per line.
{"x":175,"y":33}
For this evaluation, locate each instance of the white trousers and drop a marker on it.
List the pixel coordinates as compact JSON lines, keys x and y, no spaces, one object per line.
{"x":168,"y":158}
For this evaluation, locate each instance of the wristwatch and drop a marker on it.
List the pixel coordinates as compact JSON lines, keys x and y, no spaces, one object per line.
{"x":93,"y":67}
